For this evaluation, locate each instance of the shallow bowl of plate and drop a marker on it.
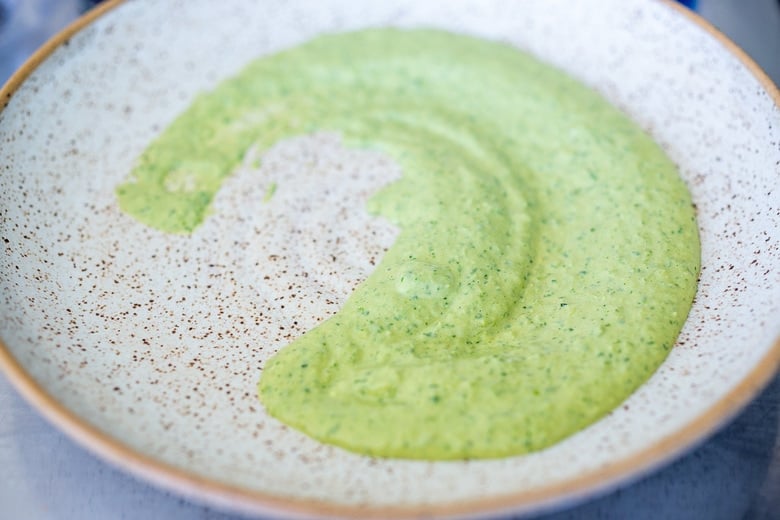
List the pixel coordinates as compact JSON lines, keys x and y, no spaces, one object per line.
{"x":142,"y":347}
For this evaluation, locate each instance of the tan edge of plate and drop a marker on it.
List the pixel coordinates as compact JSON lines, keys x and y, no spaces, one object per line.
{"x":251,"y":501}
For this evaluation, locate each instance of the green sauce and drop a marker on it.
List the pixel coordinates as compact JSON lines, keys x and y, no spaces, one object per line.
{"x":547,"y":258}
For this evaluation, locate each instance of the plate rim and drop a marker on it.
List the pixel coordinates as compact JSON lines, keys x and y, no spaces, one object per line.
{"x":205,"y":490}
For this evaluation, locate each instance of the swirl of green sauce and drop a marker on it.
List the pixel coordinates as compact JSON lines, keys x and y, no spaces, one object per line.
{"x":547,"y":258}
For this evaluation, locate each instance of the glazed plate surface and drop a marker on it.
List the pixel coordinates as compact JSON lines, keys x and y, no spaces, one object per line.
{"x":147,"y":347}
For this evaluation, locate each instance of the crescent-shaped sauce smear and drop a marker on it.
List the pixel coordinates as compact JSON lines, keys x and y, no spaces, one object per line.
{"x":547,"y":257}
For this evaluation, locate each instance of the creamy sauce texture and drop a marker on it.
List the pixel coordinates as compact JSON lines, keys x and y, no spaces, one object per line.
{"x":547,"y":256}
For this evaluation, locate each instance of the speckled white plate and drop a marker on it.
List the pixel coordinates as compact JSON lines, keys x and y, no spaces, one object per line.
{"x":146,"y":348}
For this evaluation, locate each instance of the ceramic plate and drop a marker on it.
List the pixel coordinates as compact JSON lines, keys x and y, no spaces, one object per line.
{"x":146,"y":348}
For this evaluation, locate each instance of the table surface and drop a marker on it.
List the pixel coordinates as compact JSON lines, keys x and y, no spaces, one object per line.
{"x":733,"y":475}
